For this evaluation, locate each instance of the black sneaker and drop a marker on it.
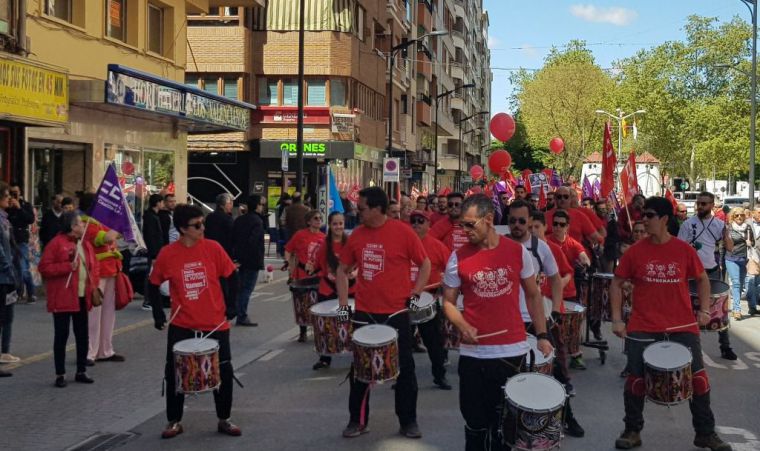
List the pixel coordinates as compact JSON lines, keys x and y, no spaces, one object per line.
{"x":147,"y":307}
{"x":442,"y":383}
{"x":570,"y":390}
{"x":90,"y":362}
{"x":711,"y":441}
{"x":83,"y":378}
{"x":573,"y":429}
{"x":320,"y":365}
{"x":628,"y":440}
{"x":753,"y":312}
{"x":60,"y":381}
{"x":728,"y":354}
{"x":354,"y":430}
{"x":411,"y":430}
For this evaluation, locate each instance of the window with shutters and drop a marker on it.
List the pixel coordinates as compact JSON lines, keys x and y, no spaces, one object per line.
{"x":290,"y":92}
{"x":316,"y":94}
{"x":231,"y":88}
{"x":268,"y":91}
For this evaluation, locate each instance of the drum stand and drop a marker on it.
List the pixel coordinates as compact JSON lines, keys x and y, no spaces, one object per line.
{"x":601,"y":345}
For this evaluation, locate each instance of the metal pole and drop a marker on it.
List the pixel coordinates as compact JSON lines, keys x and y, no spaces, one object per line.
{"x":435,"y":148}
{"x":753,"y":112}
{"x":299,"y":129}
{"x":459,"y":174}
{"x":620,"y":133}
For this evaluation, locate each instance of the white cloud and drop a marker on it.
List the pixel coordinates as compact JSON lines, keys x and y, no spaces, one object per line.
{"x":615,"y":15}
{"x":493,"y":42}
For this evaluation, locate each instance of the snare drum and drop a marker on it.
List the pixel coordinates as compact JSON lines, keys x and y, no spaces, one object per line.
{"x":600,"y":306}
{"x":719,"y":305}
{"x":375,"y":353}
{"x":667,"y":373}
{"x":451,"y":336}
{"x":428,"y":307}
{"x":305,"y":294}
{"x":572,"y":320}
{"x":196,"y":365}
{"x":533,"y":412}
{"x":543,"y":365}
{"x":330,"y":335}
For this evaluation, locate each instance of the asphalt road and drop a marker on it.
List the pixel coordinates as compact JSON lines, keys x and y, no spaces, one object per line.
{"x":285,"y":405}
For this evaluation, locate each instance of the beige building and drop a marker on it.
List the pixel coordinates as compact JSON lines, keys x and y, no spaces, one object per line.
{"x":126,"y":100}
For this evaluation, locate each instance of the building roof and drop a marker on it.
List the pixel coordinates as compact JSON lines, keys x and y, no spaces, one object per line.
{"x":644,"y":158}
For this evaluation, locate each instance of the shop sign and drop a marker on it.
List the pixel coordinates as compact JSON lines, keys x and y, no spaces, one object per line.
{"x":312,"y":149}
{"x":31,"y":92}
{"x":406,"y":173}
{"x":343,"y":123}
{"x":289,"y":114}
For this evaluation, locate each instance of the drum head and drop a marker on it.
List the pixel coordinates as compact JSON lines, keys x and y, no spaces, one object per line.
{"x":307,"y":283}
{"x":535,"y":392}
{"x":667,"y":355}
{"x":574,"y":307}
{"x":460,"y":302}
{"x":196,"y":346}
{"x":540,"y":359}
{"x":374,"y":335}
{"x":329,"y":308}
{"x":603,"y":275}
{"x":717,"y":288}
{"x":426,"y":299}
{"x":164,"y":288}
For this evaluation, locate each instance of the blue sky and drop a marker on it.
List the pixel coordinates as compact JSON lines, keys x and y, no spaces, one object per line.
{"x":522,"y":32}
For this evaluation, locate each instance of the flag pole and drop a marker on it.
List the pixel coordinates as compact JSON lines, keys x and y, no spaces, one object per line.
{"x":625,"y":201}
{"x":76,"y":252}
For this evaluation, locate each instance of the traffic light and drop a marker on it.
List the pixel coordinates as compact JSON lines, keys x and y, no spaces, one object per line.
{"x":681,"y":184}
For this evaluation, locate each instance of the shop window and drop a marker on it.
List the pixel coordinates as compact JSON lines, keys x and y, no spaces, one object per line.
{"x":211,"y":85}
{"x":290,"y":92}
{"x":268,"y":92}
{"x":121,"y":20}
{"x":337,"y":92}
{"x":60,"y":9}
{"x":158,"y":168}
{"x":6,"y":17}
{"x":231,"y":88}
{"x":317,"y":93}
{"x":155,"y":29}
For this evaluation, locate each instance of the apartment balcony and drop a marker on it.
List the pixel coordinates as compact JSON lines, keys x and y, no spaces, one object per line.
{"x":424,"y":110}
{"x":445,"y":81}
{"x":457,"y":38}
{"x":424,"y":15}
{"x":457,"y":71}
{"x":401,"y":76}
{"x":424,"y":65}
{"x":397,"y":10}
{"x":446,"y":126}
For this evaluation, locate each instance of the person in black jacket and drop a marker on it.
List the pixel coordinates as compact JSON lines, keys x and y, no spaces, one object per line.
{"x":51,"y":220}
{"x":248,"y":251}
{"x":219,"y":222}
{"x":21,"y":216}
{"x":153,"y":233}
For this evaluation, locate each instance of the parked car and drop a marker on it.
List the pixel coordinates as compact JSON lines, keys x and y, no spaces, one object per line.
{"x":735,"y":201}
{"x":688,"y":198}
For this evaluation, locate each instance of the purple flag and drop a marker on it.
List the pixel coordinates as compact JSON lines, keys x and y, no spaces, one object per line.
{"x":597,"y":190}
{"x":587,"y":190}
{"x":110,"y":206}
{"x":555,"y":181}
{"x":615,"y":203}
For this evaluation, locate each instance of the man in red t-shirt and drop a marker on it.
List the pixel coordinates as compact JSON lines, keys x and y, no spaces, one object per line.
{"x":629,"y":216}
{"x":489,"y":271}
{"x":383,"y":250}
{"x":195,"y":267}
{"x":441,"y":210}
{"x":659,"y":267}
{"x":430,"y":331}
{"x":581,"y":227}
{"x":447,"y":230}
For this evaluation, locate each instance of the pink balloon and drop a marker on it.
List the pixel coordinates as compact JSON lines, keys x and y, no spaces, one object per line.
{"x":502,"y":126}
{"x":557,"y":145}
{"x":476,"y":172}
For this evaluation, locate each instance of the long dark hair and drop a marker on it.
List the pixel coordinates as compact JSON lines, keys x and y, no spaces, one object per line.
{"x":332,"y":259}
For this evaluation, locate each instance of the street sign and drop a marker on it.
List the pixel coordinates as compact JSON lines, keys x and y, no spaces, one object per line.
{"x":284,"y":158}
{"x":406,"y":173}
{"x":466,"y":179}
{"x":391,"y":170}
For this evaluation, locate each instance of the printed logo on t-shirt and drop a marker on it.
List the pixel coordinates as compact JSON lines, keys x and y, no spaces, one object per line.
{"x":491,"y":283}
{"x":458,"y":238}
{"x":194,"y":279}
{"x":311,"y":251}
{"x":662,"y":272}
{"x":414,"y":271}
{"x":373,"y":260}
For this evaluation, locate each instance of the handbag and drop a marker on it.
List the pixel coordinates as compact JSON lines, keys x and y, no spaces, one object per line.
{"x":124,"y":293}
{"x":97,"y":297}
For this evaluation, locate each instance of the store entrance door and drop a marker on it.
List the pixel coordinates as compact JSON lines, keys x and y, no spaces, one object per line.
{"x":56,"y":168}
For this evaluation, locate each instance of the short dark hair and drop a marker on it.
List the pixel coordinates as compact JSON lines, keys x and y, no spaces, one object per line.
{"x":67,"y":220}
{"x":310,"y":214}
{"x":154,"y":199}
{"x":4,"y":188}
{"x":184,"y":213}
{"x":85,"y":202}
{"x":453,"y":195}
{"x":707,"y":194}
{"x":254,"y":200}
{"x":587,"y":199}
{"x":660,"y":205}
{"x":168,"y":195}
{"x":538,"y":215}
{"x":375,"y":197}
{"x":636,"y":196}
{"x":562,"y":214}
{"x":521,"y":203}
{"x":482,"y":203}
{"x":67,"y":201}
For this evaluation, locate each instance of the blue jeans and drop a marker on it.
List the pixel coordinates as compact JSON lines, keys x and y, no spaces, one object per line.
{"x":752,"y":291}
{"x":248,"y":278}
{"x":26,"y":274}
{"x":737,"y":272}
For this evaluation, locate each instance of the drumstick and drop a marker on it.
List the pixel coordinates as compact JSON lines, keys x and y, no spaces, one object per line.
{"x":477,"y":337}
{"x":174,"y":315}
{"x":683,"y":326}
{"x":214,"y":330}
{"x":394,"y":314}
{"x":643,"y":340}
{"x":432,"y":286}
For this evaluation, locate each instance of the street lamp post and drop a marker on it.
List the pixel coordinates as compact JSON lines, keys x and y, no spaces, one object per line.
{"x":461,"y":148}
{"x":752,"y":5}
{"x":620,"y":118}
{"x":435,"y":138}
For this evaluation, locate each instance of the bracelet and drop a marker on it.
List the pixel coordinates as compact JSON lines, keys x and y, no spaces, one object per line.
{"x":542,"y":336}
{"x":705,"y":312}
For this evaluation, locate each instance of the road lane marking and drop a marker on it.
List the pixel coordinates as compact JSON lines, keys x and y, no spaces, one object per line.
{"x":270,"y":355}
{"x":751,"y":443}
{"x":281,"y":298}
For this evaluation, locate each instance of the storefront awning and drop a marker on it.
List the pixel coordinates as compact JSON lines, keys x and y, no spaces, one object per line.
{"x":129,"y":91}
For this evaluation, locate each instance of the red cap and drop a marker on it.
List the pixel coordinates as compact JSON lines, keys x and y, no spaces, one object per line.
{"x":424,"y":214}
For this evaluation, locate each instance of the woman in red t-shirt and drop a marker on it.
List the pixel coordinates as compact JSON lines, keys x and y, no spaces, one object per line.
{"x":301,"y":250}
{"x":326,"y":263}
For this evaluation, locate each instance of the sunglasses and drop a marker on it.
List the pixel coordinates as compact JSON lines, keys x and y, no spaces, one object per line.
{"x":650,"y":215}
{"x":682,"y":211}
{"x":417,"y":220}
{"x":704,"y":203}
{"x":316,"y":218}
{"x":521,"y":221}
{"x":454,"y":204}
{"x":470,"y":225}
{"x":198,"y":225}
{"x":559,"y":224}
{"x":562,"y":196}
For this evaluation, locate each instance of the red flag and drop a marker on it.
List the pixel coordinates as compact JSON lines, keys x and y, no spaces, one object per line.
{"x":526,"y":179}
{"x":444,"y":191}
{"x":609,"y":163}
{"x":542,"y":197}
{"x":628,"y":180}
{"x":669,"y":196}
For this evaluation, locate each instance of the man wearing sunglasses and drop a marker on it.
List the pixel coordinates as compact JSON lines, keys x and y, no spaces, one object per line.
{"x":195,"y":268}
{"x":430,"y":331}
{"x":383,"y":251}
{"x":659,"y":267}
{"x":703,"y":232}
{"x":491,"y":272}
{"x":448,"y":230}
{"x":581,"y":227}
{"x":441,"y":210}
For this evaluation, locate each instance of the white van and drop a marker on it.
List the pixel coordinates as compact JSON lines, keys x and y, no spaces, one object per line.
{"x":736,"y":201}
{"x":688,"y":198}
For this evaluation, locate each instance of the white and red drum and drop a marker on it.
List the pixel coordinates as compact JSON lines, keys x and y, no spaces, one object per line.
{"x":533,"y":412}
{"x":719,"y":304}
{"x":330,"y":335}
{"x":600,"y":306}
{"x":543,"y":365}
{"x":572,"y":321}
{"x":305,"y":294}
{"x":428,"y":307}
{"x":375,"y":353}
{"x":452,"y":338}
{"x":667,"y":373}
{"x":196,"y":365}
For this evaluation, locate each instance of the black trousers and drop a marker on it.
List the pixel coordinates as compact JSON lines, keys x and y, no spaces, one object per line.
{"x":432,"y":338}
{"x":701,"y":414}
{"x":481,"y":399}
{"x":61,"y":336}
{"x":406,"y":384}
{"x":222,"y":396}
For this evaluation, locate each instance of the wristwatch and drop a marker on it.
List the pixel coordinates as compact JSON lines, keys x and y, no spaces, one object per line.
{"x":542,"y":336}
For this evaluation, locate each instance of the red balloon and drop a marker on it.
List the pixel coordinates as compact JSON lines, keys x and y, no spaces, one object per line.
{"x":557,"y":145}
{"x":476,"y":172}
{"x":499,"y":161}
{"x":502,"y":126}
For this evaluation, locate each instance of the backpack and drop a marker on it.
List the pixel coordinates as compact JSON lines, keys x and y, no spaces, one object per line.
{"x":534,"y":250}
